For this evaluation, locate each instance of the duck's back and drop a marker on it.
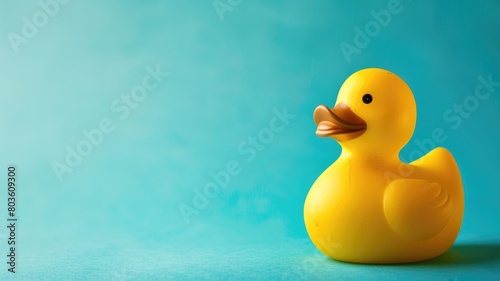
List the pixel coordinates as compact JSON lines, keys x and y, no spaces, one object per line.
{"x":440,"y":166}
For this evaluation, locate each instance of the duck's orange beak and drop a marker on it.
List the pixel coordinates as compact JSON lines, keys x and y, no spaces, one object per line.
{"x":341,"y":122}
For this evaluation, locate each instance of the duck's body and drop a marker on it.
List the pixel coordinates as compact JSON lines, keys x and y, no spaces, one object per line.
{"x":369,"y":207}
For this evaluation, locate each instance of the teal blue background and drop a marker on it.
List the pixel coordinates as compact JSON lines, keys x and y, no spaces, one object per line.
{"x":116,"y":215}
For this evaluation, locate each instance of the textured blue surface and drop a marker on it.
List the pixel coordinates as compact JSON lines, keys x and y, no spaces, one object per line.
{"x":231,"y":75}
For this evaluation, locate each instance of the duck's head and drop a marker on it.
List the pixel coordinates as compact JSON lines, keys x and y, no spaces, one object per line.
{"x":375,"y":112}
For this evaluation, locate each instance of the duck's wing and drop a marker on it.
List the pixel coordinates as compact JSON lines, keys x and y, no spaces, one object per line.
{"x":417,"y":209}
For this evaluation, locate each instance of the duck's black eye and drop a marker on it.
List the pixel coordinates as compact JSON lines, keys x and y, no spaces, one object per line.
{"x":367,"y":98}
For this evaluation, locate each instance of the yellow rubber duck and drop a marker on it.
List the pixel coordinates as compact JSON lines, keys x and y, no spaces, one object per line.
{"x":368,"y":206}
